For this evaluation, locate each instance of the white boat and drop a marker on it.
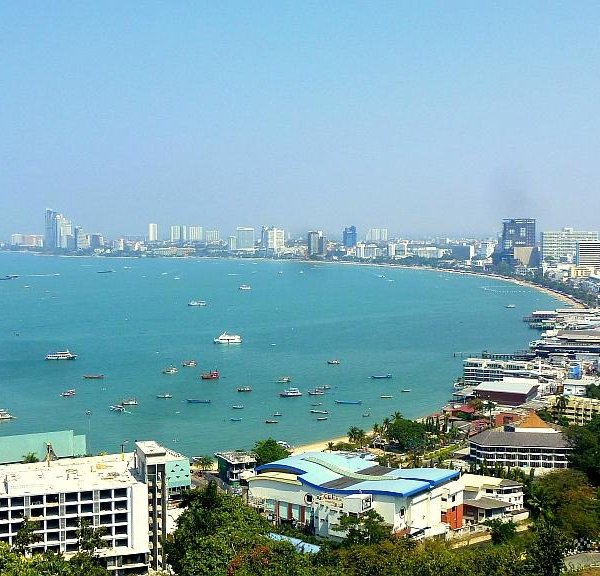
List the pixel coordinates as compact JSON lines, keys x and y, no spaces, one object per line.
{"x":228,"y":339}
{"x":64,"y":355}
{"x":68,"y":393}
{"x":118,"y":408}
{"x":129,"y":402}
{"x":165,"y":396}
{"x":245,"y":287}
{"x":4,"y":415}
{"x":197,"y":303}
{"x":170,"y":370}
{"x":189,"y":363}
{"x":290,"y":393}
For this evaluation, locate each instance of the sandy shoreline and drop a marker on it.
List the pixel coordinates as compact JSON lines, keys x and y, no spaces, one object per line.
{"x":320,"y":446}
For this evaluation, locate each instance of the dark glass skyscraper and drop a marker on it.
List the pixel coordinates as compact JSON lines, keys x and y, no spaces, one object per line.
{"x":51,"y":230}
{"x":517,"y":233}
{"x":350,"y":237}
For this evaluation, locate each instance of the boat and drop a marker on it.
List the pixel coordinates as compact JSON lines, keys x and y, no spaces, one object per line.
{"x":129,"y":402}
{"x":316,"y":392}
{"x":165,"y":396}
{"x":196,"y":401}
{"x":348,"y":401}
{"x":10,"y":277}
{"x":321,"y":417}
{"x":104,"y":271}
{"x":366,"y":414}
{"x":245,"y":287}
{"x":244,"y":389}
{"x":93,"y":376}
{"x":64,"y":355}
{"x":334,"y":362}
{"x":510,"y":306}
{"x":4,"y":415}
{"x":235,"y":419}
{"x":380,"y":376}
{"x":271,"y":422}
{"x":170,"y":370}
{"x":189,"y":363}
{"x":197,"y":303}
{"x":212,"y":375}
{"x":406,"y":390}
{"x":68,"y":393}
{"x":290,"y":393}
{"x":228,"y":339}
{"x":317,"y":404}
{"x":284,"y":380}
{"x":277,"y":414}
{"x":117,"y":408}
{"x":237,"y":407}
{"x":386,"y":396}
{"x":325,"y":387}
{"x":319,"y":412}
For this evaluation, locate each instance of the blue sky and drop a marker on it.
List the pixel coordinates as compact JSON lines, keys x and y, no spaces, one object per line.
{"x":422,"y":117}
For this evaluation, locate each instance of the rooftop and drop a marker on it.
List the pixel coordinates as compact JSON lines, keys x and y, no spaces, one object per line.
{"x":486,"y":503}
{"x":510,"y":385}
{"x":237,"y":457}
{"x":64,"y":443}
{"x":499,"y":437}
{"x":349,"y":473}
{"x":532,"y":420}
{"x":152,"y":449}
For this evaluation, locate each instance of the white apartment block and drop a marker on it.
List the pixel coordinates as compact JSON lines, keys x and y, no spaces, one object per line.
{"x":562,"y":244}
{"x":195,"y":233}
{"x":588,"y":254}
{"x":152,"y":232}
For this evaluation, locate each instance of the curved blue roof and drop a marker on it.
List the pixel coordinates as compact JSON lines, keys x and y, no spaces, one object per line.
{"x":351,"y":473}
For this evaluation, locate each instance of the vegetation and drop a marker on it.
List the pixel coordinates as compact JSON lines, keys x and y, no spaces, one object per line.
{"x":585,"y":455}
{"x":30,"y":458}
{"x":268,"y":451}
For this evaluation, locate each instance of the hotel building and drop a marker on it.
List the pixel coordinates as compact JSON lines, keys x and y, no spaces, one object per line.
{"x":562,"y":244}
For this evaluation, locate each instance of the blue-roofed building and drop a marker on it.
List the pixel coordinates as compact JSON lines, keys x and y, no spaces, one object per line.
{"x":315,"y":489}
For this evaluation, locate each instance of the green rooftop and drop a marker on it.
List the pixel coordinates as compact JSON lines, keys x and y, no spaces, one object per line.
{"x":63,"y":444}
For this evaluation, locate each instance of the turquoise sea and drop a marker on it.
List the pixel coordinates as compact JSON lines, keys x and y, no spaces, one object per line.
{"x":133,"y":322}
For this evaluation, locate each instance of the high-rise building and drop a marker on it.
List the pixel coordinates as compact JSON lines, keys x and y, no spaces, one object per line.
{"x":232,"y":243}
{"x":317,"y":243}
{"x":27,"y":240}
{"x":272,"y":240}
{"x":195,"y":234}
{"x":350,"y":237}
{"x":377,"y":235}
{"x":178,"y":233}
{"x":518,"y":241}
{"x":245,"y":238}
{"x":65,"y":233}
{"x":152,"y":232}
{"x":51,"y":231}
{"x":588,"y":254}
{"x":562,"y":244}
{"x":212,"y":235}
{"x":486,"y":248}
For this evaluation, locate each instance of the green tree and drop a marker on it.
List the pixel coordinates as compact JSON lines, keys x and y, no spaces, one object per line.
{"x":368,"y":529}
{"x":585,"y":455}
{"x":205,"y":462}
{"x":546,"y":551}
{"x":89,"y":537}
{"x":501,"y":532}
{"x":269,"y":451}
{"x":26,"y":535}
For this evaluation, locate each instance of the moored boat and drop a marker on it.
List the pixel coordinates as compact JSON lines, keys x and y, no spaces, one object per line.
{"x":319,"y":412}
{"x":380,"y":376}
{"x":93,"y":376}
{"x":334,"y":362}
{"x":189,"y":363}
{"x":277,"y":414}
{"x":197,"y":401}
{"x":407,"y":390}
{"x":290,"y":393}
{"x":271,"y":422}
{"x":235,"y":419}
{"x":316,"y":392}
{"x":284,"y":380}
{"x":129,"y":402}
{"x":238,"y":407}
{"x":63,"y":355}
{"x":321,"y":417}
{"x":386,"y":396}
{"x":68,"y":393}
{"x":245,"y":287}
{"x":244,"y":389}
{"x":170,"y":370}
{"x":164,"y":396}
{"x":197,"y":303}
{"x":212,"y":375}
{"x":117,"y":408}
{"x":226,"y":338}
{"x":348,"y":401}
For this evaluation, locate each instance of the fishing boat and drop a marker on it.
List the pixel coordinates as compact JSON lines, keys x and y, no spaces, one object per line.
{"x":321,"y":417}
{"x":271,"y":422}
{"x":129,"y":402}
{"x":164,"y":396}
{"x":93,"y":376}
{"x":237,"y":407}
{"x":386,"y":396}
{"x":196,"y":303}
{"x":64,"y":355}
{"x":319,"y":412}
{"x":348,"y":401}
{"x":197,"y":401}
{"x":334,"y":362}
{"x":290,"y":393}
{"x":228,"y":339}
{"x":212,"y":375}
{"x":284,"y":380}
{"x":170,"y":370}
{"x":189,"y":363}
{"x":68,"y":393}
{"x":244,"y":389}
{"x":4,"y":415}
{"x":235,"y":419}
{"x":380,"y":376}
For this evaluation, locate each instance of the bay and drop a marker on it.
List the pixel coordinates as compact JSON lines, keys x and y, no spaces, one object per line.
{"x":131,"y":323}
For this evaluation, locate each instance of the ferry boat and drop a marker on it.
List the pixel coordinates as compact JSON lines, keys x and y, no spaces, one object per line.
{"x":165,"y":396}
{"x":237,"y":407}
{"x":170,"y":370}
{"x":333,"y":362}
{"x":129,"y":402}
{"x":197,"y":303}
{"x":245,"y":287}
{"x":284,"y":380}
{"x":189,"y":363}
{"x":348,"y":401}
{"x":380,"y":376}
{"x":93,"y":376}
{"x":4,"y":415}
{"x":290,"y":393}
{"x":212,"y":375}
{"x":68,"y":393}
{"x":64,"y":355}
{"x":244,"y":389}
{"x":197,"y":401}
{"x":228,"y":339}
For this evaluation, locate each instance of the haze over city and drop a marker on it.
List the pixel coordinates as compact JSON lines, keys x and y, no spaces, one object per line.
{"x":428,"y":118}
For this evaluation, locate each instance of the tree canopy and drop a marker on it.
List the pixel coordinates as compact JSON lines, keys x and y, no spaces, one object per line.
{"x":268,"y":451}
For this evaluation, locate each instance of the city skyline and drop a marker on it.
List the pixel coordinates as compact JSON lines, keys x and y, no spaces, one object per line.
{"x":443,"y":118}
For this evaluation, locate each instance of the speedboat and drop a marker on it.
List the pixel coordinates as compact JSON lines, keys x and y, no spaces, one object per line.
{"x":228,"y":339}
{"x":189,"y":363}
{"x":212,"y":375}
{"x":167,"y":395}
{"x":64,"y":355}
{"x":93,"y":376}
{"x":380,"y":376}
{"x":68,"y":393}
{"x":244,"y":389}
{"x":237,"y":407}
{"x":510,"y":306}
{"x":235,"y":419}
{"x":321,"y":417}
{"x":290,"y":393}
{"x":170,"y":370}
{"x":386,"y":396}
{"x":333,"y":362}
{"x":197,"y":303}
{"x":406,"y":390}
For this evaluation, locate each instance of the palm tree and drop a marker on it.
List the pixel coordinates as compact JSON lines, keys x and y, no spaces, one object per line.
{"x":560,"y":406}
{"x":361,"y":438}
{"x":352,"y":434}
{"x":205,"y":462}
{"x":330,"y":446}
{"x":489,"y":406}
